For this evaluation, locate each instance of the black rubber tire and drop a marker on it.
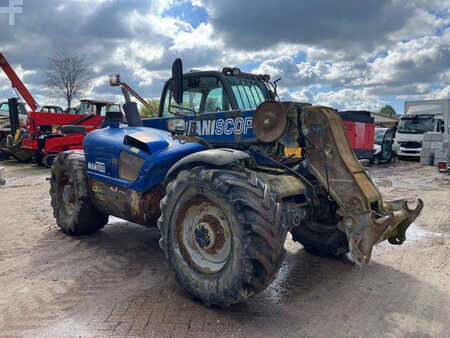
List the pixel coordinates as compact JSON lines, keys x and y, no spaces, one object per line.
{"x":83,"y":218}
{"x":3,"y":156}
{"x":328,"y":242}
{"x":48,"y":160}
{"x":257,"y":233}
{"x":38,"y":158}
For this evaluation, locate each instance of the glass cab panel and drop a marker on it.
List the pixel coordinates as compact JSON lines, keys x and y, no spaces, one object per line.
{"x":200,"y":94}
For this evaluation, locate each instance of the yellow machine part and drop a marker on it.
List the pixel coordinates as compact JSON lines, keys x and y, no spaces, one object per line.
{"x":293,"y":151}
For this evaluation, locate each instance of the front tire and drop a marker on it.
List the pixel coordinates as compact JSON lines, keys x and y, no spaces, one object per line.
{"x":72,"y":206}
{"x":223,"y":234}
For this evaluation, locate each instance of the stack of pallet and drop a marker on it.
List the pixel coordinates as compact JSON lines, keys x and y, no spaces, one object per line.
{"x":2,"y":172}
{"x":442,"y":153}
{"x":434,"y":149}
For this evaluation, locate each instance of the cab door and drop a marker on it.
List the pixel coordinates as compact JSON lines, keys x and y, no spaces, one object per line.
{"x":386,"y":146}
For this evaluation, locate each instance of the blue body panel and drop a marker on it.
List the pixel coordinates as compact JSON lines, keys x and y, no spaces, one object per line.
{"x":103,"y":147}
{"x":217,"y":127}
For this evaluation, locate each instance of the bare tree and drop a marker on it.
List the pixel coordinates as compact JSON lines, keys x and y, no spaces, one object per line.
{"x":68,"y":76}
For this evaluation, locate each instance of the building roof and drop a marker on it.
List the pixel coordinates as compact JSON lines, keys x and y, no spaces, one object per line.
{"x":383,"y":118}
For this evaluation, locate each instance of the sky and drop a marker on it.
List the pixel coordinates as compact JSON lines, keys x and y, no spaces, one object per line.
{"x":347,"y":54}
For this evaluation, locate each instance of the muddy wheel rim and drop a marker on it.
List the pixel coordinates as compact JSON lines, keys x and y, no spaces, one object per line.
{"x":204,"y":236}
{"x":68,"y":195}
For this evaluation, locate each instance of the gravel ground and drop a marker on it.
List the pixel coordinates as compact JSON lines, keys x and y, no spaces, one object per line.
{"x":117,"y":282}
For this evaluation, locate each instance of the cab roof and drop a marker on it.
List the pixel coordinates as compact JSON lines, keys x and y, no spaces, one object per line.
{"x":97,"y":101}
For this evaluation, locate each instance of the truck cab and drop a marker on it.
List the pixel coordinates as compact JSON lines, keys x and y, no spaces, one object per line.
{"x":420,"y":117}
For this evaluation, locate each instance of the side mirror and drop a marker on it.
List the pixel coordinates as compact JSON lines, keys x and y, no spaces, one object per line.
{"x":177,"y":81}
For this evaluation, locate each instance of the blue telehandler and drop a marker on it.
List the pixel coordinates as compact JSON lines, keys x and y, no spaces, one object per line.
{"x":225,"y":170}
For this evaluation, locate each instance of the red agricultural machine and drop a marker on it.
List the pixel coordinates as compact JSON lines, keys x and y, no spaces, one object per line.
{"x":46,"y":131}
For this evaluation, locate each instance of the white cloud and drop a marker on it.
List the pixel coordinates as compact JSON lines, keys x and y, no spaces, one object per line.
{"x":344,"y":99}
{"x":389,"y":54}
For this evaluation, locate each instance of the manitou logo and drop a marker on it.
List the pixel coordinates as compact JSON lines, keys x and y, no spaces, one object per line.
{"x":238,"y":126}
{"x":97,"y":166}
{"x":15,"y":7}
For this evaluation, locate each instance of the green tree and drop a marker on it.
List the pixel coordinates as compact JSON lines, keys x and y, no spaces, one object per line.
{"x":154,"y":103}
{"x":388,"y":111}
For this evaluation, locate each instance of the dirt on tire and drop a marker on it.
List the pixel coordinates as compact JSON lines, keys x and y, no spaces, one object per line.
{"x":78,"y":215}
{"x":257,"y":233}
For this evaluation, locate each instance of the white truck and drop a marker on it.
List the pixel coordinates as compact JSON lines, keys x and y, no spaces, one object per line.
{"x":420,"y":117}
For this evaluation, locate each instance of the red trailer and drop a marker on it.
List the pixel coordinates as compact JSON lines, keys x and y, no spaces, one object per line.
{"x":360,"y":128}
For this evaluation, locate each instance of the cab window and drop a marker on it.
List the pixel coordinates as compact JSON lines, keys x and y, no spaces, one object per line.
{"x":4,"y":107}
{"x":249,"y":94}
{"x":102,"y":109}
{"x":202,"y":94}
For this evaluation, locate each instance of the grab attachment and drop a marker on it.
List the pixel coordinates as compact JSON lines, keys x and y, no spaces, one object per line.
{"x":364,"y":229}
{"x":366,"y":219}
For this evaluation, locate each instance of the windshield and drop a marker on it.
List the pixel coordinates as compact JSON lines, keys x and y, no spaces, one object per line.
{"x":416,"y":125}
{"x":4,"y":109}
{"x":249,"y":94}
{"x":203,"y":94}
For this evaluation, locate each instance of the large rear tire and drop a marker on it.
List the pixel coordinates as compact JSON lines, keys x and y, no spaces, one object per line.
{"x":72,"y":207}
{"x":223,"y":234}
{"x":321,"y":239}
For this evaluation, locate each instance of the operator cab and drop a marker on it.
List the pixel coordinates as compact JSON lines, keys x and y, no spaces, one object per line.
{"x":51,"y":109}
{"x":213,"y":91}
{"x":5,"y":124}
{"x":96,"y":107}
{"x":4,"y":109}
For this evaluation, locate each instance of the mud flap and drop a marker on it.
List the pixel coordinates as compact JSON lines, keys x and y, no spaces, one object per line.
{"x":366,"y":219}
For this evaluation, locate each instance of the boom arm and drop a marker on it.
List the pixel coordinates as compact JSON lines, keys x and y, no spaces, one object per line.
{"x":17,"y":83}
{"x":115,"y":81}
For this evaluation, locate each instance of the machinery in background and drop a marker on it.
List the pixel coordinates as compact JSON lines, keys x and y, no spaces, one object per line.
{"x":96,"y":107}
{"x":51,"y":109}
{"x":2,"y":175}
{"x":360,"y":129}
{"x":114,"y":81}
{"x":384,"y":139}
{"x":47,"y":130}
{"x":419,"y":118}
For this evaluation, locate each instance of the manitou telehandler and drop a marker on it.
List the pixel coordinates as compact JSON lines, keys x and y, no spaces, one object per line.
{"x":211,"y":173}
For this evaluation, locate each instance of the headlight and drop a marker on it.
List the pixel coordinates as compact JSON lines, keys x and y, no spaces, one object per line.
{"x":176,"y":126}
